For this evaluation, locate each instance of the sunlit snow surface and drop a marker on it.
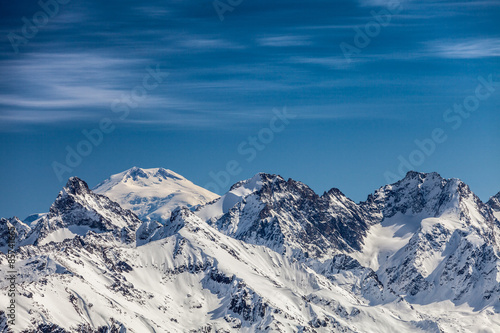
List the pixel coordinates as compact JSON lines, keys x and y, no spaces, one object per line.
{"x":153,"y":193}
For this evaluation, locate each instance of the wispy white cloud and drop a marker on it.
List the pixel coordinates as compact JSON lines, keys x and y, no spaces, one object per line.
{"x":208,"y":43}
{"x":66,"y":80}
{"x":427,"y":3}
{"x":43,"y":117}
{"x":483,"y":3}
{"x":284,"y":41}
{"x":329,"y":61}
{"x":154,"y":11}
{"x":381,"y":3}
{"x":466,"y":49}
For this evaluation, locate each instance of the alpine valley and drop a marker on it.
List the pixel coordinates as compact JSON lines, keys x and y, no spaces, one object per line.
{"x":149,"y":251}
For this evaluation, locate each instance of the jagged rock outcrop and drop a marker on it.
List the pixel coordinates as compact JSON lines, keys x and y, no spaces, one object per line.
{"x":78,"y":210}
{"x":494,"y":202}
{"x":14,"y":230}
{"x":268,"y":210}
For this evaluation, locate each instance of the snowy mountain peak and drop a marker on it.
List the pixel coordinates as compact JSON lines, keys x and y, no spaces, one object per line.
{"x":421,"y":176}
{"x":269,"y":210}
{"x":180,"y":213}
{"x":255,"y":183}
{"x":494,"y":202}
{"x":426,"y":226}
{"x":136,"y":173}
{"x":78,"y":210}
{"x":20,"y":229}
{"x":141,"y":176}
{"x":152,"y":194}
{"x":420,"y":193}
{"x":76,"y":186}
{"x":166,"y":173}
{"x":242,"y":191}
{"x":334,"y":192}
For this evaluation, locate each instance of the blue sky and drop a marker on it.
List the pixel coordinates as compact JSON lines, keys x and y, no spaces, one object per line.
{"x":354,"y":117}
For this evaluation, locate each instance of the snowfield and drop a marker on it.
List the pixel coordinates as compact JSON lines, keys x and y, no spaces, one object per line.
{"x":152,"y":194}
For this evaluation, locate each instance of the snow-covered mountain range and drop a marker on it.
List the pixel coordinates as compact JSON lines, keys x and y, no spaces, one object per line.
{"x":270,"y":255}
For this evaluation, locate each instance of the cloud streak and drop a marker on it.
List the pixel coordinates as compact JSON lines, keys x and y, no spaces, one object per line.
{"x":466,"y":49}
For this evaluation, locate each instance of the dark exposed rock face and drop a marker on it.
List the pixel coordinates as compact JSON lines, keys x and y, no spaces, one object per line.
{"x":494,"y":202}
{"x":20,"y":231}
{"x":426,"y":193}
{"x":77,"y":206}
{"x":283,"y":213}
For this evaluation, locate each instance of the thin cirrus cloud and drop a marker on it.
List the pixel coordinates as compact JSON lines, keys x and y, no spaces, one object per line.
{"x":43,"y":117}
{"x":333,"y":62}
{"x":284,"y":41}
{"x":49,"y":80}
{"x":208,"y":44}
{"x":378,"y":3}
{"x":466,"y":49}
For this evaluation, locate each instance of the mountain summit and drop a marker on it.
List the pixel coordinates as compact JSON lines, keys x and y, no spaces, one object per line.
{"x":78,"y":210}
{"x":152,"y":194}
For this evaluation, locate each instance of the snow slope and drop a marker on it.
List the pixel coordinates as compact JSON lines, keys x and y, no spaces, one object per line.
{"x":153,"y":193}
